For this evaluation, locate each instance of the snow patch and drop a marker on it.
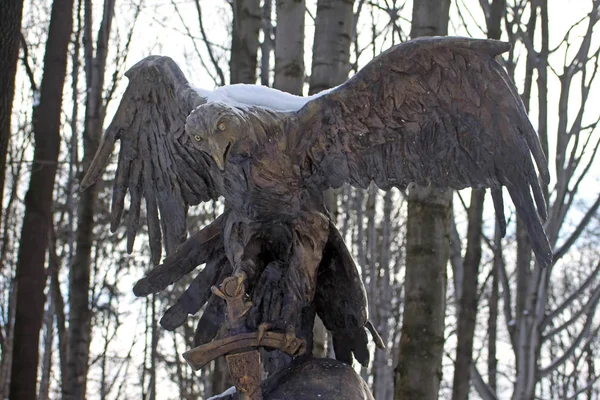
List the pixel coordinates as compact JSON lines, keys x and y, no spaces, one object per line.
{"x":228,"y":392}
{"x":241,"y":95}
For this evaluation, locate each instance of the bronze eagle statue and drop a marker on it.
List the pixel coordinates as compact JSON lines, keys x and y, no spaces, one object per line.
{"x":431,"y":111}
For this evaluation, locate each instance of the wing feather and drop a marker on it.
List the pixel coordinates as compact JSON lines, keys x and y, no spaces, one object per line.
{"x":433,"y":111}
{"x":155,"y":162}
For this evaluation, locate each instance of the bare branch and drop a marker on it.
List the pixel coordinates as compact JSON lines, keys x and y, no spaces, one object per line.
{"x":558,"y":254}
{"x":28,"y":70}
{"x":121,"y":56}
{"x":590,"y":309}
{"x":567,"y":323}
{"x":456,"y":260}
{"x":582,"y":389}
{"x":572,"y":297}
{"x":483,"y":389}
{"x":208,"y":46}
{"x":189,"y":33}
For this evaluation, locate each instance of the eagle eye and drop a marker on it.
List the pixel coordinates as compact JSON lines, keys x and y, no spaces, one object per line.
{"x":197,"y":138}
{"x":221,"y":126}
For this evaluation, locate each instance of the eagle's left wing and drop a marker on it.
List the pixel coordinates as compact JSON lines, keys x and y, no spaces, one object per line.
{"x":156,"y":161}
{"x":439,"y":111}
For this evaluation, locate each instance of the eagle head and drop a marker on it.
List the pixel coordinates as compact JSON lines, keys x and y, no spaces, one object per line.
{"x":214,"y":128}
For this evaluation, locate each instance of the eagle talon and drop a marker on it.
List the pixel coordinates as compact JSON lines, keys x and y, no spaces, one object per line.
{"x":233,"y":286}
{"x":291,"y":342}
{"x":262,"y":328}
{"x":233,"y":291}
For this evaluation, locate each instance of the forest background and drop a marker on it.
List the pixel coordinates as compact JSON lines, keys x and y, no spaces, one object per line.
{"x":462,"y":311}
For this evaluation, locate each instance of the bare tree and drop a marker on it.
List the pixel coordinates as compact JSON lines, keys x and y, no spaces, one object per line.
{"x":46,"y":367}
{"x":469,"y":290}
{"x":550,"y":315}
{"x":418,"y":372}
{"x":80,"y":313}
{"x":537,"y":320}
{"x":10,"y":217}
{"x":30,"y":275}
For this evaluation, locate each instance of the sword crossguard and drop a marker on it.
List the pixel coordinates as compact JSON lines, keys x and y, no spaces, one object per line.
{"x":199,"y":356}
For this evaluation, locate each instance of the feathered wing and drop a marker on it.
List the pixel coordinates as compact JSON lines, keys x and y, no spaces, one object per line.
{"x":154,"y":159}
{"x":439,"y":111}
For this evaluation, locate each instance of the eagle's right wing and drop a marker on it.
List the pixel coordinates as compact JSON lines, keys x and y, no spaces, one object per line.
{"x":437,"y":111}
{"x":155,"y":161}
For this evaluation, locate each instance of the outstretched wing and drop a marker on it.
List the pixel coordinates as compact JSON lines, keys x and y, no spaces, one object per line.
{"x":434,"y":111}
{"x":155,"y":161}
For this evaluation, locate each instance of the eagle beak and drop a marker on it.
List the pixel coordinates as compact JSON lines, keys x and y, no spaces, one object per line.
{"x":219,"y":154}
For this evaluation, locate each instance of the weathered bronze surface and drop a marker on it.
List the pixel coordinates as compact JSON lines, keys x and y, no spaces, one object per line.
{"x":434,"y":111}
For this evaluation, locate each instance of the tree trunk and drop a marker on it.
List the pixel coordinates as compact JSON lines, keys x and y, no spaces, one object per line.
{"x":430,"y":18}
{"x":46,"y":368}
{"x":418,"y":373}
{"x":467,"y":311}
{"x":10,"y":34}
{"x":383,"y":378}
{"x":58,"y":305}
{"x":31,"y":276}
{"x":331,"y":48}
{"x":8,"y":346}
{"x":331,"y":57}
{"x":289,"y":46}
{"x":492,"y":360}
{"x":244,"y":42}
{"x":267,"y":45}
{"x":219,"y":376}
{"x":153,"y":350}
{"x":80,"y":313}
{"x":372,"y":253}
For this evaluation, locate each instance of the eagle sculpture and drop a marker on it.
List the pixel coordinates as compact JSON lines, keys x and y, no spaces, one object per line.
{"x":432,"y":111}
